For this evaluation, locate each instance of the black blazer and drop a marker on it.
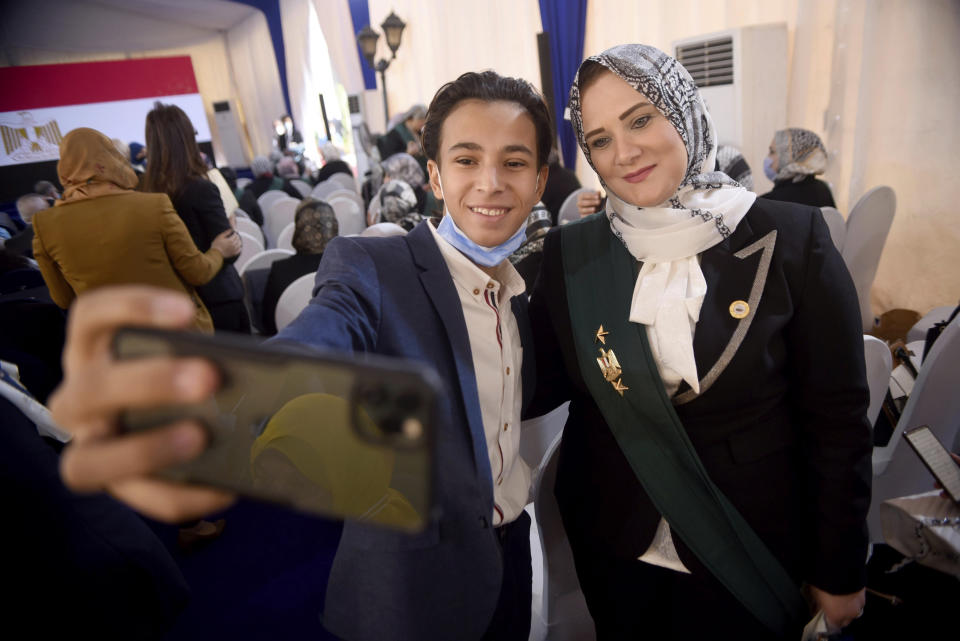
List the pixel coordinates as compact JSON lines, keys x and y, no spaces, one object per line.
{"x":21,"y":243}
{"x":809,"y":191}
{"x":282,"y":274}
{"x":780,"y":420}
{"x":200,"y":207}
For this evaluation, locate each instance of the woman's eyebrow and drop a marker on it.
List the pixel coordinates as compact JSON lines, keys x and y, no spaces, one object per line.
{"x":634,"y":108}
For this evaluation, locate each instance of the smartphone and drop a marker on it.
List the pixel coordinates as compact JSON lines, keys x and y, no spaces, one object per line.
{"x":937,"y":459}
{"x":336,"y":434}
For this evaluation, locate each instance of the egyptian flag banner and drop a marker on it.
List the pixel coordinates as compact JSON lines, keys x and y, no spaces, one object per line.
{"x":41,"y":103}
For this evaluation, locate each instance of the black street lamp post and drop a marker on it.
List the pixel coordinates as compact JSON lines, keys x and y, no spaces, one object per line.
{"x":367,"y":38}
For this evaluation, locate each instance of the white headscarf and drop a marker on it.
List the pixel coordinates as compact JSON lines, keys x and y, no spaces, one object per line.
{"x":668,"y":238}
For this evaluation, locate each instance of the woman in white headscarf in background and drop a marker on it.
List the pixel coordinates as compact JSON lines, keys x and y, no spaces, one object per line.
{"x":716,"y":456}
{"x":796,"y":157}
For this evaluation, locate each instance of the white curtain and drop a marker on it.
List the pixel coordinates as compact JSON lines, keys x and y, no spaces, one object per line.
{"x":445,"y":39}
{"x":257,"y":79}
{"x":335,"y":21}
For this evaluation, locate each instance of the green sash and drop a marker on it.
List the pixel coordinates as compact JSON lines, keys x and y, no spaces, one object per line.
{"x":600,"y":276}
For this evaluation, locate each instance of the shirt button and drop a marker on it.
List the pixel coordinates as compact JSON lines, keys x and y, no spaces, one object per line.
{"x":489,"y":285}
{"x":508,"y":371}
{"x":505,"y":425}
{"x":476,"y":292}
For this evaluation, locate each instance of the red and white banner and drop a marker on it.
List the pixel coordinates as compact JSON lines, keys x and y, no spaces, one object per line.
{"x":40,"y":104}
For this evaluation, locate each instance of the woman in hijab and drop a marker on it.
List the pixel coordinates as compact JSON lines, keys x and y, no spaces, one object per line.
{"x":716,"y":454}
{"x":796,"y":158}
{"x":394,"y":202}
{"x":102,"y":232}
{"x":315,"y":225}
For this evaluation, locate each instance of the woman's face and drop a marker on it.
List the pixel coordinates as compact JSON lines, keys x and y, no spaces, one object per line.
{"x":635,"y":149}
{"x":488,"y":169}
{"x":774,"y":157}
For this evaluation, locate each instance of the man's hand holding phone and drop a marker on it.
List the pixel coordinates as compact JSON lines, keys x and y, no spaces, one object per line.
{"x":96,"y":388}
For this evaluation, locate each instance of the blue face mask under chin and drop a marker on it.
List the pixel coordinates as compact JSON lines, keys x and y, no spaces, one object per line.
{"x":485,"y":256}
{"x":768,"y":168}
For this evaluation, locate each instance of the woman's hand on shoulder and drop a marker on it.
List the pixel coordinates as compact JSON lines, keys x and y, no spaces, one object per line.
{"x":96,"y":388}
{"x":839,"y":609}
{"x":228,"y":243}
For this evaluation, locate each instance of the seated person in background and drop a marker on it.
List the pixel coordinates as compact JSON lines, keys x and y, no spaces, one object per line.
{"x":396,"y":203}
{"x":332,"y":164}
{"x":27,"y":206}
{"x":138,"y":157}
{"x":731,"y":162}
{"x":287,"y":169}
{"x":104,"y":233}
{"x":560,"y":183}
{"x":796,"y":157}
{"x":264,"y":180}
{"x":47,"y":189}
{"x":175,"y":167}
{"x":404,"y":137}
{"x":245,"y":199}
{"x":405,"y":167}
{"x":315,"y":225}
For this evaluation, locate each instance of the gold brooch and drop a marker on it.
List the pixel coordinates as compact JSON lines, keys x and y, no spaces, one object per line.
{"x":739,"y":309}
{"x":610,"y":368}
{"x":601,"y":336}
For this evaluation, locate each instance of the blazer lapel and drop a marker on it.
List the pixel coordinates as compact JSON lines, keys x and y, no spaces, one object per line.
{"x":736,"y":272}
{"x":437,"y":282}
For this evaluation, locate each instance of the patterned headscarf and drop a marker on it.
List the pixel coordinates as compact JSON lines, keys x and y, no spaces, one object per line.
{"x":800,"y":152}
{"x":404,"y":167}
{"x":731,"y":162}
{"x":90,"y":166}
{"x":394,"y":200}
{"x":315,"y":225}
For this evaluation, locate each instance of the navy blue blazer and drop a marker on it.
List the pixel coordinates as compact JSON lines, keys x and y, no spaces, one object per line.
{"x":395,"y":296}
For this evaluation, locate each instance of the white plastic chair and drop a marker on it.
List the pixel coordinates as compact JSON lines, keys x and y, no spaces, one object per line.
{"x":568,"y":210}
{"x":269,"y":197}
{"x":936,"y":315}
{"x":897,"y":470}
{"x":293,"y":299}
{"x":264,"y":259}
{"x":247,"y":226}
{"x":879,"y":366}
{"x":243,"y":182}
{"x":279,"y":216}
{"x":564,"y":607}
{"x":285,"y":239}
{"x":251,"y":247}
{"x":837,"y":226}
{"x":324,"y":189}
{"x":344,"y":181}
{"x":345,"y":193}
{"x":350,"y":216}
{"x":302,"y":186}
{"x":383,"y":230}
{"x":867,"y":228}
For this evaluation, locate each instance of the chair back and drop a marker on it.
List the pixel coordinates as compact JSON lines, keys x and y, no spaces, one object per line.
{"x":344,"y":181}
{"x":247,"y":226}
{"x":243,"y":182}
{"x":323,"y":190}
{"x":345,"y":193}
{"x":269,"y":197}
{"x":879,"y":365}
{"x":350,"y":216}
{"x":277,"y":217}
{"x":285,"y":239}
{"x":837,"y":226}
{"x":293,"y":299}
{"x":934,"y":401}
{"x":564,"y":607}
{"x":382,"y":230}
{"x":251,"y":247}
{"x":264,"y":259}
{"x":936,"y":315}
{"x":302,"y":186}
{"x":568,"y":210}
{"x":867,"y":228}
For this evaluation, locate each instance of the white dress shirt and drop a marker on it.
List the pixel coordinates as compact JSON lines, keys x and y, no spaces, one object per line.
{"x":497,"y":358}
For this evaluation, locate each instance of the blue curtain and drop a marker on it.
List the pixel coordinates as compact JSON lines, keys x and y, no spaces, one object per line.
{"x":271,"y":11}
{"x":360,"y":14}
{"x":565,"y":22}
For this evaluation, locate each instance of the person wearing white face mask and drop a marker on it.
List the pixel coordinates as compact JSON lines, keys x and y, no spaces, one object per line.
{"x":717,"y":453}
{"x":445,"y":296}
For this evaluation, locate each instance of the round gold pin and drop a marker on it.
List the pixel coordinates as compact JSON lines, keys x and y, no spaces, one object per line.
{"x":739,"y":309}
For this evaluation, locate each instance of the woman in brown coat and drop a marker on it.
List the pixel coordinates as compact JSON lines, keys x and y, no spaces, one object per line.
{"x":103,"y":232}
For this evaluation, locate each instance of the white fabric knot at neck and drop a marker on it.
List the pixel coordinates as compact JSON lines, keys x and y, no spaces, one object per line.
{"x":670,"y":287}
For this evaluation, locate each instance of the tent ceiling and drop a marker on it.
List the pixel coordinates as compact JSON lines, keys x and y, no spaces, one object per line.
{"x":116,"y":25}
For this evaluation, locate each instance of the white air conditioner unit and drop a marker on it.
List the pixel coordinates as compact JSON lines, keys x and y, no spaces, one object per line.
{"x":231,"y":133}
{"x":742,"y":75}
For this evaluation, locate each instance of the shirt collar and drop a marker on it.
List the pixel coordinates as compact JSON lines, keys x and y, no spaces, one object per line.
{"x":467,"y":273}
